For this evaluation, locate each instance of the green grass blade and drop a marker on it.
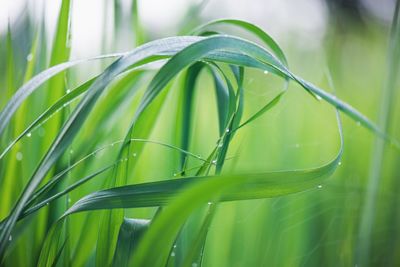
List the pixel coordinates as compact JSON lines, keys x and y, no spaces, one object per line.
{"x":61,"y":103}
{"x":245,"y":186}
{"x":387,"y":107}
{"x":130,"y":232}
{"x":78,"y":116}
{"x":33,"y":84}
{"x":264,"y":109}
{"x":196,"y":249}
{"x":257,"y":31}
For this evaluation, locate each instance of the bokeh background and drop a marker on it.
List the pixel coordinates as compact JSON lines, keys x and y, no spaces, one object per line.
{"x":345,"y":41}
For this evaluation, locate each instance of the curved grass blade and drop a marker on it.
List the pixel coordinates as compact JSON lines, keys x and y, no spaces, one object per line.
{"x":76,"y":119}
{"x":264,"y":109}
{"x":130,"y":232}
{"x":191,"y":50}
{"x":43,"y":201}
{"x":196,"y":251}
{"x":257,"y":31}
{"x":62,"y":102}
{"x":199,"y":190}
{"x":28,"y":88}
{"x":244,"y":186}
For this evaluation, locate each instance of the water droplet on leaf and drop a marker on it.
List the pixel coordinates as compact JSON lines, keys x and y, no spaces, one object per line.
{"x":19,"y":156}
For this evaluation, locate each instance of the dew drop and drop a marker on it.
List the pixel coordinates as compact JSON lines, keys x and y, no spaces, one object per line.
{"x":340,"y":163}
{"x":220,"y":145}
{"x":320,"y":186}
{"x":19,"y":156}
{"x":47,"y":203}
{"x":29,"y":134}
{"x":227,"y":130}
{"x":68,"y":91}
{"x":194,"y":264}
{"x":318,"y":97}
{"x":214,"y":161}
{"x":209,"y":203}
{"x":266,"y":72}
{"x":174,"y":246}
{"x":172,"y":254}
{"x":69,"y":200}
{"x":29,"y":57}
{"x":134,"y":155}
{"x":10,"y":238}
{"x":71,"y":152}
{"x":174,"y":174}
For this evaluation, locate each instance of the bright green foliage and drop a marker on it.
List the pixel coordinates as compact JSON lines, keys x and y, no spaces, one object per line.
{"x":135,"y":167}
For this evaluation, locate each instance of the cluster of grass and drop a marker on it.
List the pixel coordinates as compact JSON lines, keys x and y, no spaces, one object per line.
{"x":132,"y":165}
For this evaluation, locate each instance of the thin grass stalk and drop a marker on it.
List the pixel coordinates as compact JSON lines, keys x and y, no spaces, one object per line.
{"x":363,"y":256}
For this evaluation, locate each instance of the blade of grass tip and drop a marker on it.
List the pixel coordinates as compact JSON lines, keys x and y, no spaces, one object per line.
{"x":130,"y":232}
{"x":363,"y":251}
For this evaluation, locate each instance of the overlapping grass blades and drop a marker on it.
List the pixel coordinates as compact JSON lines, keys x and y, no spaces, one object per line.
{"x":183,"y":52}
